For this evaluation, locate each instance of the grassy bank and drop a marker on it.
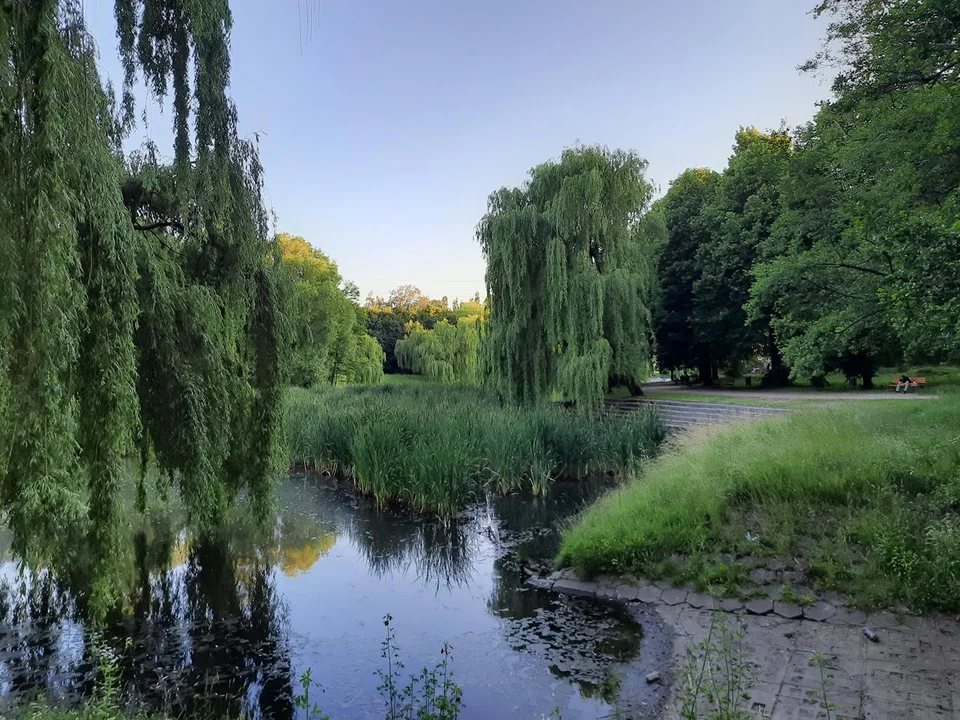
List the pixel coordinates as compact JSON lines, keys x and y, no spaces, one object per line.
{"x":437,"y":446}
{"x":866,"y":499}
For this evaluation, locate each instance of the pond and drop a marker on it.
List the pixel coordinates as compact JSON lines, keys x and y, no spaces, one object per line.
{"x":228,"y":626}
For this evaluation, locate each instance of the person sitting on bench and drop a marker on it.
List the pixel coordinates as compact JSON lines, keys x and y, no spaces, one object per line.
{"x":903,"y":384}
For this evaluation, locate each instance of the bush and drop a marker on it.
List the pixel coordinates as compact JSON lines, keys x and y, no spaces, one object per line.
{"x":436,"y":447}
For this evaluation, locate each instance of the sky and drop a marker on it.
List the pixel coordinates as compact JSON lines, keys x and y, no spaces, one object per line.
{"x":384,"y":125}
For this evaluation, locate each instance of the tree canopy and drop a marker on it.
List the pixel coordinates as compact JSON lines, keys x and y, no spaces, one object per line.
{"x":447,"y":353}
{"x":568,"y":277}
{"x":137,"y":306}
{"x":329,"y":341}
{"x":837,"y":247}
{"x":390,"y":319}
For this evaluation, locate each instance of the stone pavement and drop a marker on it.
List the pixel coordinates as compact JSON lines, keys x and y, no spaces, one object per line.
{"x":911,"y":671}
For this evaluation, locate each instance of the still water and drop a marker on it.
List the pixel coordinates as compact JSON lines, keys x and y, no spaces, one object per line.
{"x":228,"y":626}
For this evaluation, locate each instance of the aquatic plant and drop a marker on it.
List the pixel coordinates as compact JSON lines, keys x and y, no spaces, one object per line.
{"x":436,"y":447}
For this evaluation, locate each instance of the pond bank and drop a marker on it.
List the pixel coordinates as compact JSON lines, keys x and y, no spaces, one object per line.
{"x":800,"y":660}
{"x":860,"y":499}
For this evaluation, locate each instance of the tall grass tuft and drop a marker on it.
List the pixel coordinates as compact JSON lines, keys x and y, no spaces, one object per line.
{"x":438,"y":447}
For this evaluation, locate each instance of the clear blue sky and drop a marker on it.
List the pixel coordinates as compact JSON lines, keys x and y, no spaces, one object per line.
{"x":386,"y":124}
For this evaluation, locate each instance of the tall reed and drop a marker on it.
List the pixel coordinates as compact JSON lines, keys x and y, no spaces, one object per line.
{"x":437,"y":447}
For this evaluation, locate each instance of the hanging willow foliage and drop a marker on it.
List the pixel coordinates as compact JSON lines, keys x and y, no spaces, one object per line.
{"x":568,"y":278}
{"x":446,"y":353}
{"x":137,"y":303}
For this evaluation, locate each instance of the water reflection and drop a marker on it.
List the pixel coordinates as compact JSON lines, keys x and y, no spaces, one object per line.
{"x":222,"y":625}
{"x":393,"y":542}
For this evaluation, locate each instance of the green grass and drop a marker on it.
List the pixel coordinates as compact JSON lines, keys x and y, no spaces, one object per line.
{"x":438,"y":447}
{"x":92,"y":712}
{"x":714,"y":399}
{"x":937,"y":376}
{"x":866,"y":498}
{"x":404,"y":379}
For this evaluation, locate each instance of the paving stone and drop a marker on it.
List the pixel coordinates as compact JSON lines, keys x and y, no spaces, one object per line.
{"x":787,"y":610}
{"x":762,"y":576}
{"x":627,"y":592}
{"x":648,"y":594}
{"x":848,"y":616}
{"x":760,"y":606}
{"x":579,"y":588}
{"x":696,"y":600}
{"x":819,"y":612}
{"x":673,"y":597}
{"x":663,"y":584}
{"x":607,"y":591}
{"x":541,"y":583}
{"x":909,"y":674}
{"x":731,"y":605}
{"x":883,"y":620}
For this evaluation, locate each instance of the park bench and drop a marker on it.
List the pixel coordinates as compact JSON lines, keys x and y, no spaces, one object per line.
{"x":917,"y":382}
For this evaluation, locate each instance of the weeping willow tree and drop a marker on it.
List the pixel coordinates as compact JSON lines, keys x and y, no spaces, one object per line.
{"x":446,"y":353}
{"x":138,"y":311}
{"x":568,"y":278}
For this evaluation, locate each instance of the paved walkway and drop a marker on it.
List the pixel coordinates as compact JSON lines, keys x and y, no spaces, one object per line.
{"x":910,"y":669}
{"x":688,"y":393}
{"x":679,"y":414}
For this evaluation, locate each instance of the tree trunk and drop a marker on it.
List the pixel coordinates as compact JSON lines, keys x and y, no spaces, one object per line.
{"x":705,"y":369}
{"x":777,"y":375}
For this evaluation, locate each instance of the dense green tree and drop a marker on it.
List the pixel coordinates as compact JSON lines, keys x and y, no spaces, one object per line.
{"x":881,"y":47}
{"x":819,"y":281}
{"x":326,"y":327}
{"x":472,"y":309}
{"x":863,"y":259}
{"x":568,"y":277}
{"x":389,"y":318}
{"x":387,"y":327}
{"x":446,"y":353}
{"x":136,"y":306}
{"x":717,"y":226}
{"x":740,"y":216}
{"x":678,"y":271}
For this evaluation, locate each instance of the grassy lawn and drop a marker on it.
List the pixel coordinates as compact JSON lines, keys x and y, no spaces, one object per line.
{"x":937,"y":376}
{"x":863,"y":498}
{"x":716,"y":399}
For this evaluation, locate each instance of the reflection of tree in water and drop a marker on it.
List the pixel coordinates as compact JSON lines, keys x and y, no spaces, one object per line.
{"x":580,"y":641}
{"x":32,"y":637}
{"x":209,"y":636}
{"x":440,"y":552}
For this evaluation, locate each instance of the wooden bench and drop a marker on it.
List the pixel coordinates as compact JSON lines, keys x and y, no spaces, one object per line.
{"x":916,"y":382}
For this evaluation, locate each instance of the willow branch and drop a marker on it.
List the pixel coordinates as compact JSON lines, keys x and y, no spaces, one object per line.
{"x":159,"y":225}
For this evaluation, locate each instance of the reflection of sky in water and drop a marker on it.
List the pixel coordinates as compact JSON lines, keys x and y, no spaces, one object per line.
{"x":238,"y":619}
